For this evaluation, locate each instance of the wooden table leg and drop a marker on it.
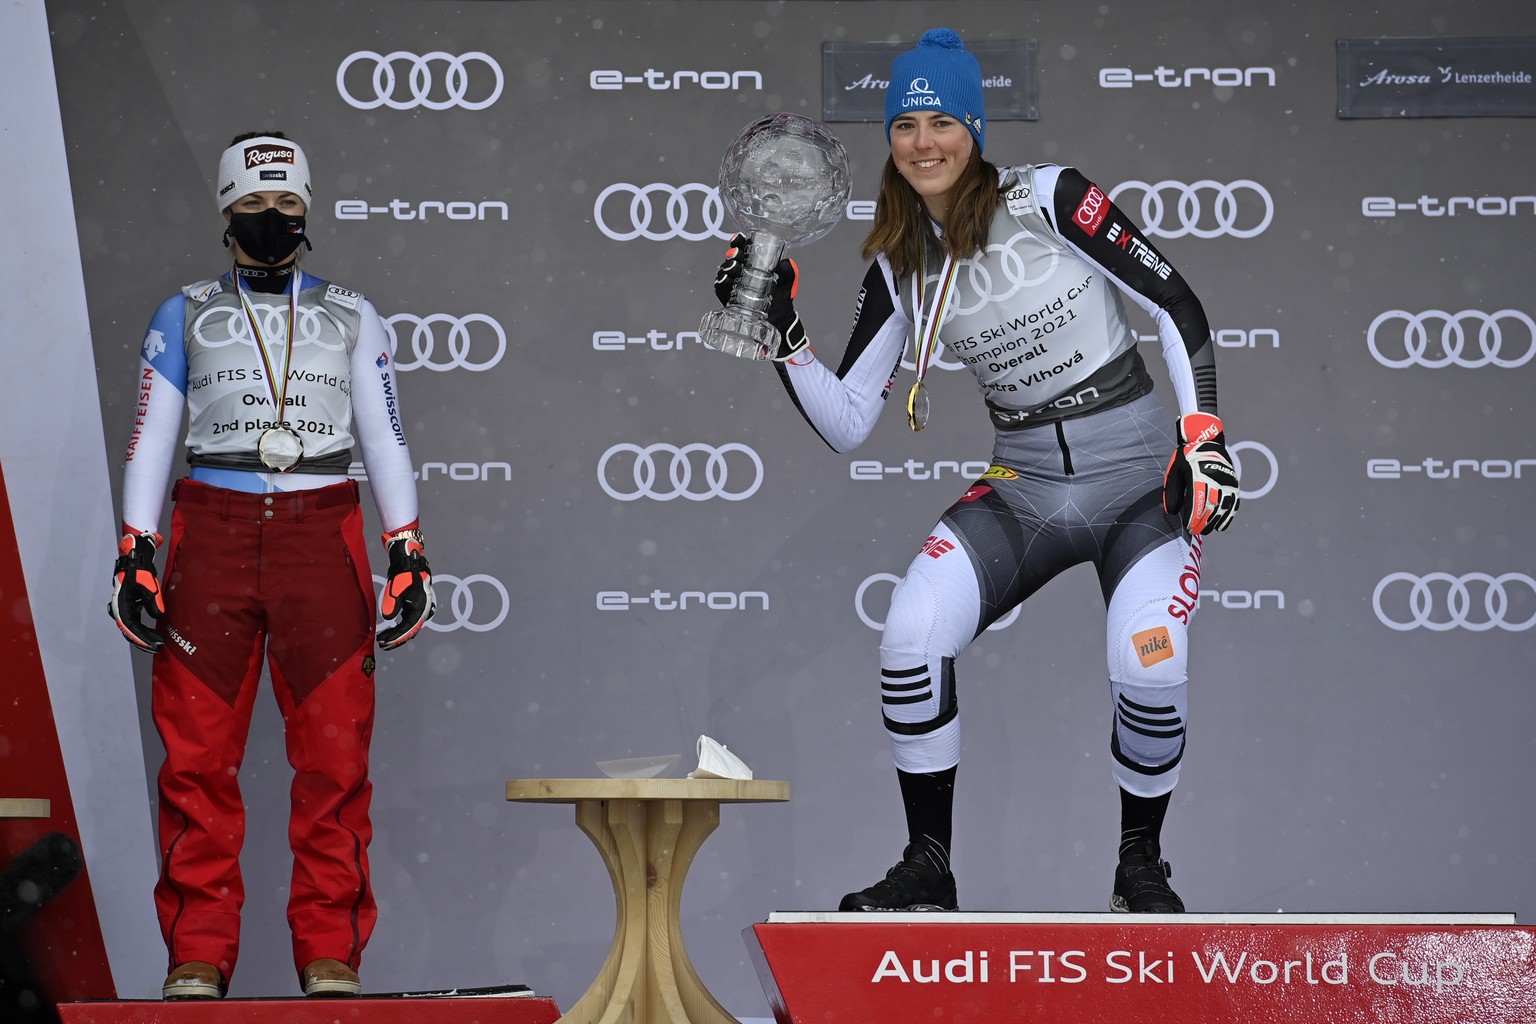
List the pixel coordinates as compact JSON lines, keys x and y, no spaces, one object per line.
{"x":647,"y":977}
{"x":700,"y":818}
{"x":617,"y":994}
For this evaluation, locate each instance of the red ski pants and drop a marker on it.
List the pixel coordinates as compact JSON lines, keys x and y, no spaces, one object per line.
{"x":285,"y":574}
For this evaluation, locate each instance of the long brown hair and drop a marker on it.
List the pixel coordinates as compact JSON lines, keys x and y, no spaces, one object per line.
{"x":901,"y":223}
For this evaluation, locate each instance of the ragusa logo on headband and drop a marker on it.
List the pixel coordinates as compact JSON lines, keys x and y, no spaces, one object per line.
{"x":255,"y":156}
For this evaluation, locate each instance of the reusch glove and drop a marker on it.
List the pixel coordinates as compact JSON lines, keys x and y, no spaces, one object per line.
{"x":781,"y":305}
{"x":407,"y":588}
{"x":136,"y":589}
{"x":1200,"y":485}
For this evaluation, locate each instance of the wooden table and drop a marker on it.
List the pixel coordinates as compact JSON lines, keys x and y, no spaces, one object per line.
{"x":647,"y":831}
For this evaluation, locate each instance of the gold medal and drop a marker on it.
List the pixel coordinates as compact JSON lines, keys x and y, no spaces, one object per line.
{"x":917,"y":406}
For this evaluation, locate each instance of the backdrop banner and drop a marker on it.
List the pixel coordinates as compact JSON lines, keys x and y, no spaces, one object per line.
{"x":1487,"y":77}
{"x":854,"y":77}
{"x":638,"y":540}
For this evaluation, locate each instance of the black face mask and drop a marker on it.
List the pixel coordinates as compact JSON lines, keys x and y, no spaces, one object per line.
{"x":267,"y":237}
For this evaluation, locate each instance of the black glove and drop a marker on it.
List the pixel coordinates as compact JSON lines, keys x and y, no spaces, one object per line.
{"x":1200,"y":484}
{"x":136,"y":589}
{"x":407,"y":589}
{"x":781,"y":305}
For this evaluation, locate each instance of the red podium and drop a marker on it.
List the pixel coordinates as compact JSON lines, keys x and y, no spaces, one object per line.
{"x":964,"y":968}
{"x":507,"y":1005}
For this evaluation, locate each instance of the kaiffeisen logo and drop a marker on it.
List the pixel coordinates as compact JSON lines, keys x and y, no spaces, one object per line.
{"x":672,"y":81}
{"x":1186,"y":78}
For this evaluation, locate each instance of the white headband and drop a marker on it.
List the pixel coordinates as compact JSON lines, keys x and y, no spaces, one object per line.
{"x":262,"y":164}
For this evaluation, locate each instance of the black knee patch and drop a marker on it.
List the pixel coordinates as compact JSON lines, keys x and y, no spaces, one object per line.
{"x":904,"y":688}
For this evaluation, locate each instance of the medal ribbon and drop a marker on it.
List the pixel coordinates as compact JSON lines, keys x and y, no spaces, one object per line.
{"x":926,"y":335}
{"x":279,"y":393}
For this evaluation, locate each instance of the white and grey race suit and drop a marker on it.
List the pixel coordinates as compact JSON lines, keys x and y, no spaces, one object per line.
{"x":1081,"y":446}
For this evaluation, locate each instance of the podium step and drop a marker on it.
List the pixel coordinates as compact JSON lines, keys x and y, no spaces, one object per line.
{"x":973,"y":968}
{"x":502,"y":1005}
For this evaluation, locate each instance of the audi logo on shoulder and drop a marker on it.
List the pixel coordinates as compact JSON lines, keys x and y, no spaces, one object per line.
{"x":663,"y":472}
{"x":658,"y":212}
{"x":478,"y":603}
{"x":421,"y":80}
{"x":1172,"y":209}
{"x":459,"y":350}
{"x":1409,"y":344}
{"x":1439,"y":601}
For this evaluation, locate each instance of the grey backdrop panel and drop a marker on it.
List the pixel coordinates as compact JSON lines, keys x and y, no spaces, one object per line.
{"x":1355,"y":741}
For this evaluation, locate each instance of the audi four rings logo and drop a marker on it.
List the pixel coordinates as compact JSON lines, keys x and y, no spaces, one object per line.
{"x":1439,"y":601}
{"x":663,"y":472}
{"x":273,"y":324}
{"x":478,"y":603}
{"x":659,"y":212}
{"x":421,"y":79}
{"x":1386,"y":339}
{"x":1247,"y":490}
{"x":458,"y":351}
{"x":1172,"y":209}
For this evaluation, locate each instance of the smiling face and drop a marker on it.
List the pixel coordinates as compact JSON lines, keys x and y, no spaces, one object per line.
{"x":931,"y":150}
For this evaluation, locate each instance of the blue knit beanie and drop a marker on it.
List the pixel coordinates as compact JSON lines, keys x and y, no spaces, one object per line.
{"x":939,"y":73}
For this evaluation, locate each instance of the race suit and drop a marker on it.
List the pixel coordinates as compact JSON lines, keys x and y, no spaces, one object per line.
{"x":1081,"y":444}
{"x":266,"y":563}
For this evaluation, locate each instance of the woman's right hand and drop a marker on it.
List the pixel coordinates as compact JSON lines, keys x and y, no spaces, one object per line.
{"x":781,"y":305}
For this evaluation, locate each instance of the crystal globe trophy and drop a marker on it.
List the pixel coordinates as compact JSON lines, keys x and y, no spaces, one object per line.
{"x":785,"y":180}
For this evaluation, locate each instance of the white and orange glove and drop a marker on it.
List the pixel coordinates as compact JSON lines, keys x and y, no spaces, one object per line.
{"x":136,"y":589}
{"x":407,"y":588}
{"x":1200,"y":485}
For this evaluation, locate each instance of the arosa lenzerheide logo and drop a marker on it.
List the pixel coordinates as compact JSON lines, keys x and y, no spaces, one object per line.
{"x":405,"y":81}
{"x":1439,"y":601}
{"x":478,"y":603}
{"x":1435,"y":338}
{"x":659,"y":212}
{"x":442,"y":342}
{"x":1205,"y":208}
{"x":663,"y":472}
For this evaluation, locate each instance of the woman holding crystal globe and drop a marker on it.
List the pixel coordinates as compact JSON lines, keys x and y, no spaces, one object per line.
{"x":1022,"y":273}
{"x":278,"y":372}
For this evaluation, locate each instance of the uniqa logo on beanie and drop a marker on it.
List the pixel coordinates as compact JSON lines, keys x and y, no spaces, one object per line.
{"x":939,"y":73}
